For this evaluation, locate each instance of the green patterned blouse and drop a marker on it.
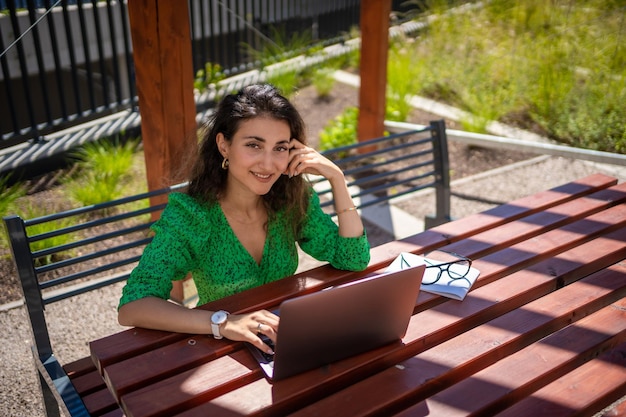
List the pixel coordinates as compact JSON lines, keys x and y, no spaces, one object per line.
{"x":194,"y":237}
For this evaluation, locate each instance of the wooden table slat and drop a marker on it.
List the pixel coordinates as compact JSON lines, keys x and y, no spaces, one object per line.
{"x":79,"y":367}
{"x":200,"y":384}
{"x":527,"y":227}
{"x":88,"y":383}
{"x":156,"y":364}
{"x":516,"y":376}
{"x":472,"y":224}
{"x":552,"y":243}
{"x":595,"y":384}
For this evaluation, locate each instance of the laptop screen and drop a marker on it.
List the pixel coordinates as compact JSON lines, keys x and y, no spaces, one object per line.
{"x":324,"y":327}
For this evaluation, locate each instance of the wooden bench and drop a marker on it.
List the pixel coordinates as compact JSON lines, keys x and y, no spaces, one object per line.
{"x":560,"y":284}
{"x":119,"y":230}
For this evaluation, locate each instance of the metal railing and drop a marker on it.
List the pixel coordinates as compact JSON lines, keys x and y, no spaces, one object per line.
{"x":521,"y":145}
{"x":66,"y":63}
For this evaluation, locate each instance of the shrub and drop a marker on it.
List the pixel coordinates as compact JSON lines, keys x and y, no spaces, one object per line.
{"x":101,"y":169}
{"x":340,"y":131}
{"x":211,"y":74}
{"x":285,"y":81}
{"x":323,"y":81}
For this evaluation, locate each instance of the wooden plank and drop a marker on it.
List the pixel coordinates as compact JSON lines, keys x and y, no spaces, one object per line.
{"x":507,"y":234}
{"x":128,"y":343}
{"x":79,"y":367}
{"x":427,"y":329}
{"x":472,"y":224}
{"x":88,"y":383}
{"x":100,"y":402}
{"x":514,"y":377}
{"x":91,"y":387}
{"x":526,"y":227}
{"x":551,"y":243}
{"x":202,"y":383}
{"x":154,"y":365}
{"x":590,"y":387}
{"x":446,"y":363}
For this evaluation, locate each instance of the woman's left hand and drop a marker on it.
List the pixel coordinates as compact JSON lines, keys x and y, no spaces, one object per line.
{"x":306,"y":160}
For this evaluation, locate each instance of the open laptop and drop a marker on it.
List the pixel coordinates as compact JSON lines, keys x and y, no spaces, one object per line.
{"x":320,"y":328}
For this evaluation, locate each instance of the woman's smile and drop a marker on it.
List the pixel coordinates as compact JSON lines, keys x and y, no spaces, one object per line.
{"x":262,"y":177}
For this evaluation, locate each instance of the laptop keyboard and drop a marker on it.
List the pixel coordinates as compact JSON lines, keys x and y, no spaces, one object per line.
{"x":268,"y":357}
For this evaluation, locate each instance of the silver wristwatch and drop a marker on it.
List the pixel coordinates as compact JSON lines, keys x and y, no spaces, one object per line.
{"x":217,"y":319}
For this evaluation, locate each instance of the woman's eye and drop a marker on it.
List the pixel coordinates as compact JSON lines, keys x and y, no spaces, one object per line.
{"x":282,"y":148}
{"x":253,"y":145}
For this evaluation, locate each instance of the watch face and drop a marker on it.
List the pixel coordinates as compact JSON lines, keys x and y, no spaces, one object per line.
{"x":219,"y":317}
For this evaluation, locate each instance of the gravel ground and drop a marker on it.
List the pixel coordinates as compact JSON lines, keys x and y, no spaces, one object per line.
{"x":87,"y":317}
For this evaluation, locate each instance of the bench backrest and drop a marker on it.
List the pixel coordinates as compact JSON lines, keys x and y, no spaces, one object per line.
{"x":74,"y":253}
{"x":388,"y":167}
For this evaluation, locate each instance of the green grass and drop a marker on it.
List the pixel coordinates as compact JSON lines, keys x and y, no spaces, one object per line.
{"x":287,"y":82}
{"x":400,"y":88}
{"x":9,"y":194}
{"x":555,"y":66}
{"x":31,"y":211}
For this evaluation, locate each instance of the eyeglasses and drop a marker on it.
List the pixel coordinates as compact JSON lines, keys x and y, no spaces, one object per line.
{"x":455,"y":269}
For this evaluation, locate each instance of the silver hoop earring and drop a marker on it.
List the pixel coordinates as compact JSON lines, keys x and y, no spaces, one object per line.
{"x":225,"y":164}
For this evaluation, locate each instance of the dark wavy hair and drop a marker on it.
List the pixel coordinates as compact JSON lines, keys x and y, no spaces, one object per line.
{"x":208,"y":179}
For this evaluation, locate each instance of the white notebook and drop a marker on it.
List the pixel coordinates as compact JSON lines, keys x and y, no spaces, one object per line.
{"x":450,"y":280}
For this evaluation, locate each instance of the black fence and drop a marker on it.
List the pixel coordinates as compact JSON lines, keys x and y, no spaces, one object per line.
{"x":65,"y":63}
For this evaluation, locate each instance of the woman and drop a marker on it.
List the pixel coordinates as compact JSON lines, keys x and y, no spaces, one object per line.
{"x":237,"y":226}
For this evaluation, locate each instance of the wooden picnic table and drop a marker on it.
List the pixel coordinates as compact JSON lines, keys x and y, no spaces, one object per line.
{"x":541,"y":333}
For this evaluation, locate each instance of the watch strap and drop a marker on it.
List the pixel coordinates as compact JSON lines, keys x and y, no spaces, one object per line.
{"x":215,"y":326}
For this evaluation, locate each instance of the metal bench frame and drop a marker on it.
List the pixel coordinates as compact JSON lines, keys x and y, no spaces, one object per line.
{"x":56,"y":387}
{"x":422,"y":155}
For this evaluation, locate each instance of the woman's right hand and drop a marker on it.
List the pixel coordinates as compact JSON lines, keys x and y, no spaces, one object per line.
{"x":247,"y":327}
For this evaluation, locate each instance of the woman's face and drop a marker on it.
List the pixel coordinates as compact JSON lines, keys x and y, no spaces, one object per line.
{"x":258,"y":154}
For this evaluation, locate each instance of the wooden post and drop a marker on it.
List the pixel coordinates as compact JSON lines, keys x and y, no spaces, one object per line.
{"x":373,"y":67}
{"x":164,"y":78}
